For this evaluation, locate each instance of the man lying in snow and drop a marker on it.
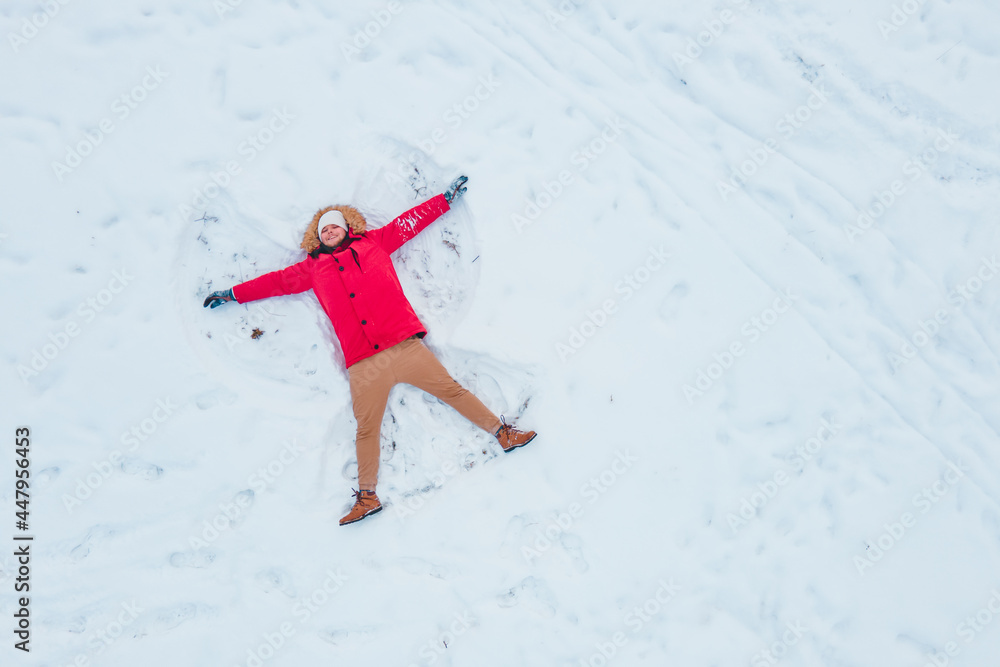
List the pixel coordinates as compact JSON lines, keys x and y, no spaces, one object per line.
{"x":351,"y":273}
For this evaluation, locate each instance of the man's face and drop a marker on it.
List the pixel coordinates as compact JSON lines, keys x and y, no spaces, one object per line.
{"x":332,"y":235}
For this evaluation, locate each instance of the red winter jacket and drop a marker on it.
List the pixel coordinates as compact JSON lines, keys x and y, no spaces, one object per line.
{"x":357,"y":285}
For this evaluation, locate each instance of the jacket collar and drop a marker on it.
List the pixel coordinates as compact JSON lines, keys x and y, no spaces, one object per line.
{"x":323,"y":249}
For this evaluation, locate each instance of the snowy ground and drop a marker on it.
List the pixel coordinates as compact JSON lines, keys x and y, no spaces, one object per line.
{"x":733,"y":261}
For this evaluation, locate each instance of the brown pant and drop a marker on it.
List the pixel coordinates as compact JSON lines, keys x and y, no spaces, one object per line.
{"x":410,"y":362}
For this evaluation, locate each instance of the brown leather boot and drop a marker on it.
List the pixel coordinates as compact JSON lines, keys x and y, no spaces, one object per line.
{"x":510,"y":438}
{"x":366,"y":503}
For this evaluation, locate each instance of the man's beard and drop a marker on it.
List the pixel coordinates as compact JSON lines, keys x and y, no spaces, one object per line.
{"x":323,"y":247}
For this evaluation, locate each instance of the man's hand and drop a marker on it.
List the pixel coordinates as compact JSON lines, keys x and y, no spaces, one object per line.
{"x":456,"y":190}
{"x":218,"y":298}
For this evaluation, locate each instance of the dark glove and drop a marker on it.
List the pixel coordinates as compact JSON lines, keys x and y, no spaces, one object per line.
{"x":456,"y":189}
{"x":218,"y":298}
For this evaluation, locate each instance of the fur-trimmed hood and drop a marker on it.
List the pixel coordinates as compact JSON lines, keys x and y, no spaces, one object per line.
{"x":356,"y":221}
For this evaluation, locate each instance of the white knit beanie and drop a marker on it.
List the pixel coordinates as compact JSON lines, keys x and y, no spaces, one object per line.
{"x":331,"y":218}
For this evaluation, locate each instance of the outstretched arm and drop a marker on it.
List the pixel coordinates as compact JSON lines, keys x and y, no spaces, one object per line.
{"x":296,"y":278}
{"x":405,"y":227}
{"x":414,"y":221}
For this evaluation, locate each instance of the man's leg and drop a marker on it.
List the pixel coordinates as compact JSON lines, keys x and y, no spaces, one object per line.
{"x":370,"y":380}
{"x":419,"y":367}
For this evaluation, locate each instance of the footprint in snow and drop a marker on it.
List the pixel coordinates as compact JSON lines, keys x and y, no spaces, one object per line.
{"x":340,"y":637}
{"x":146,"y":471}
{"x":153,"y":622}
{"x":572,"y":545}
{"x":276,"y":580}
{"x":214,"y":398}
{"x":77,"y":625}
{"x":171,"y":618}
{"x":46,"y":475}
{"x":532,"y":594}
{"x":95,"y":536}
{"x":525,"y":535}
{"x":667,"y":310}
{"x":199,"y":558}
{"x":244,"y":500}
{"x":512,"y":538}
{"x":420,"y":566}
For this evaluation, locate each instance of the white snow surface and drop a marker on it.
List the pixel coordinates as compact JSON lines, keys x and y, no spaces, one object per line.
{"x":781,"y":437}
